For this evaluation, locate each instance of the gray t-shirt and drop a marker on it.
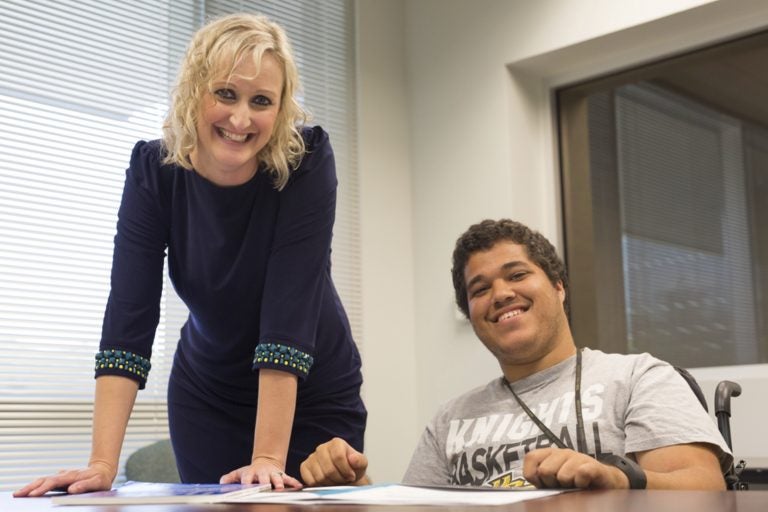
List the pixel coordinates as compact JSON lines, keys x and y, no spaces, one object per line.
{"x":630,"y":403}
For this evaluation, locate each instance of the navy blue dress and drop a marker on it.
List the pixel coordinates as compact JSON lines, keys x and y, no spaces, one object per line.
{"x":252,"y":265}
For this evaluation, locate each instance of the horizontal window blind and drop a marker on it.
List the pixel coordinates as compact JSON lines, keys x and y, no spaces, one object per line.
{"x":686,"y":241}
{"x":82,"y":81}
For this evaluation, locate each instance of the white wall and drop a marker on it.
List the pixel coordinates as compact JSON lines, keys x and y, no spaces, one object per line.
{"x":459,"y":120}
{"x":388,"y":346}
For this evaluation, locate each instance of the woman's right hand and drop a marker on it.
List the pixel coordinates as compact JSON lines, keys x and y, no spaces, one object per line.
{"x":96,"y":477}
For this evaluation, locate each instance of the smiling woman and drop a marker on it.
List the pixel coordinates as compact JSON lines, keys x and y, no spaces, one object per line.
{"x":237,"y":120}
{"x":267,"y":349}
{"x":59,"y":202}
{"x":245,"y":84}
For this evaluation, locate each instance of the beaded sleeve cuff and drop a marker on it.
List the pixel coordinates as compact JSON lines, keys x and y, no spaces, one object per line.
{"x":275,"y":355}
{"x":122,"y":362}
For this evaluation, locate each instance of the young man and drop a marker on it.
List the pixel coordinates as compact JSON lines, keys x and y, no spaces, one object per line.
{"x":559,"y":416}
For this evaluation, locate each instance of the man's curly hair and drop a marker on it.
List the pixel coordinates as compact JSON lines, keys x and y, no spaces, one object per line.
{"x":484,"y":235}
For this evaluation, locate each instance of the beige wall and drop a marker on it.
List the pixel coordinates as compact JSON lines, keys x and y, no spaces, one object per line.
{"x":456,"y":126}
{"x":388,"y":347}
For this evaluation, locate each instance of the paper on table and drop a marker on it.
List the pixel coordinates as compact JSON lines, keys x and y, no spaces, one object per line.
{"x":411,"y":495}
{"x":384,"y":494}
{"x":394,"y":494}
{"x":155,"y":493}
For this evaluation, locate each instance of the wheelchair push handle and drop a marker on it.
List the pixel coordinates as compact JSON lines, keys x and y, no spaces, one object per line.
{"x":723,"y":393}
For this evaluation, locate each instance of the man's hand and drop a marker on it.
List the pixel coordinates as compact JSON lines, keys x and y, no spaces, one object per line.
{"x":96,"y":477}
{"x":335,"y":463}
{"x":556,"y":467}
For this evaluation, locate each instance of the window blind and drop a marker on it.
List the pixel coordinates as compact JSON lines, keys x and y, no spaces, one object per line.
{"x":81,"y":82}
{"x":688,"y":278}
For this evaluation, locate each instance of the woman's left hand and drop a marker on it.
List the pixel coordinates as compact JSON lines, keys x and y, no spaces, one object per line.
{"x":262,"y":470}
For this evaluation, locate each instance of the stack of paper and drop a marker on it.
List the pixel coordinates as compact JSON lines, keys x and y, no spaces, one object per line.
{"x":388,"y":494}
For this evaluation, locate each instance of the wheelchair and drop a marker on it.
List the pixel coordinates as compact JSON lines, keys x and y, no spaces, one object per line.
{"x":723,"y":393}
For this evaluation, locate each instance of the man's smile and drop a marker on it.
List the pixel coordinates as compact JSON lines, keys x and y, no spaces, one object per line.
{"x":510,"y":312}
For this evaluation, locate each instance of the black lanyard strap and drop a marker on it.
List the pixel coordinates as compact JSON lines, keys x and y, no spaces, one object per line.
{"x":581,"y":442}
{"x":635,"y":474}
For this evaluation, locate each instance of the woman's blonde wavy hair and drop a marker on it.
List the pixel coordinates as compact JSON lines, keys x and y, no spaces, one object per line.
{"x":212,"y":53}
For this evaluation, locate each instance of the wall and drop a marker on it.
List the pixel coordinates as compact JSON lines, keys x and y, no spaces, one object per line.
{"x":389,"y":363}
{"x":471,"y":127}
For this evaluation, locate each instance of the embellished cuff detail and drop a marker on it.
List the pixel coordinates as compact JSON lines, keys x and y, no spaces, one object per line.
{"x":277,"y":355}
{"x":122,"y":361}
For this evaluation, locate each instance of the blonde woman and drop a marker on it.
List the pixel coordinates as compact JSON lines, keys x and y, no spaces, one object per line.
{"x":242,"y":197}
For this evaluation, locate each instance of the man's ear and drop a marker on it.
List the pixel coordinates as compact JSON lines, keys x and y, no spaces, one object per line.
{"x":560,"y":291}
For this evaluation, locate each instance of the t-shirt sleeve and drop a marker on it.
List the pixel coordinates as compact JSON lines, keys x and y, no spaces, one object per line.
{"x":664,"y":411}
{"x":298,"y":271}
{"x":133,"y":307}
{"x":429,"y":465}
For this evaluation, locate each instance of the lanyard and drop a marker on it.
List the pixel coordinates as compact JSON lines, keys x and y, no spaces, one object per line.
{"x":581,"y":443}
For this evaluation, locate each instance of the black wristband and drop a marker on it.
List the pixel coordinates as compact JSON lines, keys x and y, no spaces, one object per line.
{"x":635,"y":474}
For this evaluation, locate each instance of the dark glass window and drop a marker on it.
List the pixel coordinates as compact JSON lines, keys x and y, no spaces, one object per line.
{"x":665,"y":189}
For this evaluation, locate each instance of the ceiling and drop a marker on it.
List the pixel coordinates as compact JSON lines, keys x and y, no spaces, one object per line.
{"x":732,"y":78}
